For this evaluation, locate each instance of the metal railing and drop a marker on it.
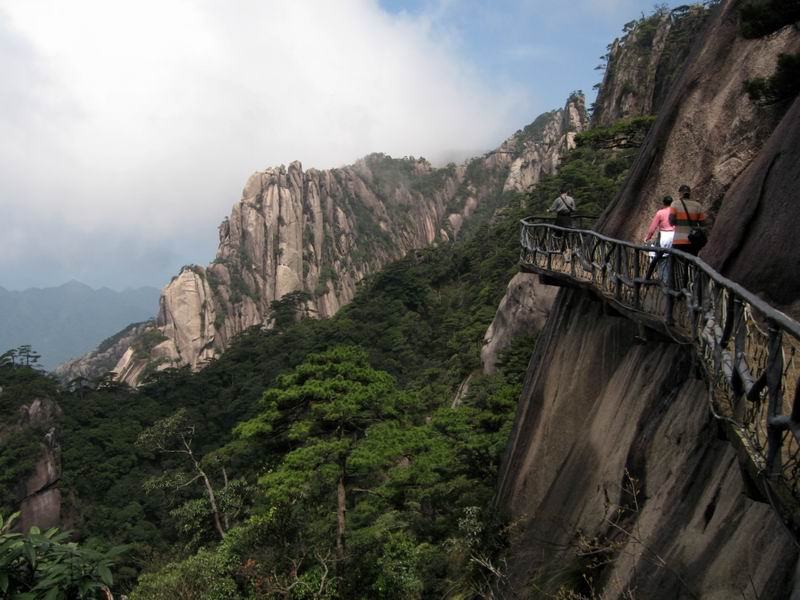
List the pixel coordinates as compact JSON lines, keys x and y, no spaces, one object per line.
{"x":748,"y":349}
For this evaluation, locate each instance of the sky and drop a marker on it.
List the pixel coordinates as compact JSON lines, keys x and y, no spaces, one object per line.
{"x":128,"y":129}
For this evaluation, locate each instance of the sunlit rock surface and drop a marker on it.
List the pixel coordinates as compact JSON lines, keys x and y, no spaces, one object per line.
{"x":522,"y":311}
{"x":321,"y":232}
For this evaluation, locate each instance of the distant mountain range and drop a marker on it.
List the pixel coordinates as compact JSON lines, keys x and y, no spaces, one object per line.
{"x":71,"y":319}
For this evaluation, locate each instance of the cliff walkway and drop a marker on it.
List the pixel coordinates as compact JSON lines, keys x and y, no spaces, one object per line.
{"x":747,"y":349}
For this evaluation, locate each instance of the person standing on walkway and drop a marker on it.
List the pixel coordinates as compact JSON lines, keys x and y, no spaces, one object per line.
{"x":564,"y":207}
{"x":689,"y":219}
{"x":661,"y":225}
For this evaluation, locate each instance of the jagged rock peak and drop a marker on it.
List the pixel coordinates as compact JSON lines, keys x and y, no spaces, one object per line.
{"x":309,"y":236}
{"x":540,"y":146}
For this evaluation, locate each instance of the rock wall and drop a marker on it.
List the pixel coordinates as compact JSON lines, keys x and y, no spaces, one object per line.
{"x":524,"y":309}
{"x":642,"y":65}
{"x":598,"y":412}
{"x":316,"y":234}
{"x":708,"y":131}
{"x":602,"y":414}
{"x":759,"y":218}
{"x":38,"y":495}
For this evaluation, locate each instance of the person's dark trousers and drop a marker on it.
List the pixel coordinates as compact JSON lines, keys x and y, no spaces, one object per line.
{"x":688,"y":248}
{"x":562,"y":221}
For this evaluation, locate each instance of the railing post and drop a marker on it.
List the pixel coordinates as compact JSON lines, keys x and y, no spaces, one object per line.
{"x":574,"y":256}
{"x":737,"y":384}
{"x":697,"y":301}
{"x":637,"y":286}
{"x":727,"y":329}
{"x":522,"y":242}
{"x":603,"y":266}
{"x":795,"y":419}
{"x":670,"y":304}
{"x":774,"y":381}
{"x":617,"y":274}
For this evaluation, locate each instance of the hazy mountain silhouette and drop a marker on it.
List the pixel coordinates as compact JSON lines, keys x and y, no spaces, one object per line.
{"x":71,"y":319}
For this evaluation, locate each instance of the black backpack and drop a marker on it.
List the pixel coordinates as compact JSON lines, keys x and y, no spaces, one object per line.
{"x":697,"y":235}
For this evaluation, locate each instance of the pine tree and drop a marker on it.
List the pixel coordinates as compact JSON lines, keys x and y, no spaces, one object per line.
{"x":322,"y":410}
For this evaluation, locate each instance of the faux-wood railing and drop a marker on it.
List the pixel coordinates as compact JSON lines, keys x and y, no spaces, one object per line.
{"x":746,"y":347}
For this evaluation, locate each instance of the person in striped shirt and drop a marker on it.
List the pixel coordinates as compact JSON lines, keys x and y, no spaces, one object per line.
{"x":688,"y":215}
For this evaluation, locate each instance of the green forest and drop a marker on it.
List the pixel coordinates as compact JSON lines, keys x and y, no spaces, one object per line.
{"x":320,"y":459}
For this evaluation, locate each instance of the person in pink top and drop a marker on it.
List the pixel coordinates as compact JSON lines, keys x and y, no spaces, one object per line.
{"x":666,"y":231}
{"x":661,"y":224}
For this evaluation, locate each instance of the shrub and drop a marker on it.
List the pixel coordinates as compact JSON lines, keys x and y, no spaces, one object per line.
{"x":782,"y":86}
{"x":42,"y":565}
{"x":19,"y":454}
{"x":204,"y":576}
{"x":146,"y":342}
{"x":760,"y":18}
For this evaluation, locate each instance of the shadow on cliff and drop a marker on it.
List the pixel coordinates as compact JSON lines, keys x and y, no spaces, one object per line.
{"x":600,"y":416}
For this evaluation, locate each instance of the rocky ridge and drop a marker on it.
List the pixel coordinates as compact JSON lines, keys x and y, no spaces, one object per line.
{"x":104,"y":358}
{"x":309,"y":236}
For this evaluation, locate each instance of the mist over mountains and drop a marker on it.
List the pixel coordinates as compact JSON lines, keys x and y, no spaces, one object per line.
{"x":70,"y":319}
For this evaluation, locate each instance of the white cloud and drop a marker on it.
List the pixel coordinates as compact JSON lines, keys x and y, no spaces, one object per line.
{"x":140,"y":121}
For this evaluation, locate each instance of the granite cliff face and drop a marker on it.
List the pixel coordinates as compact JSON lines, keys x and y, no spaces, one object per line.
{"x":524,"y":309}
{"x":606,"y":424}
{"x":759,"y":218}
{"x":538,"y":148}
{"x":644,"y":63}
{"x":614,"y":452}
{"x":38,"y":495}
{"x":708,"y":130}
{"x":309,"y":236}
